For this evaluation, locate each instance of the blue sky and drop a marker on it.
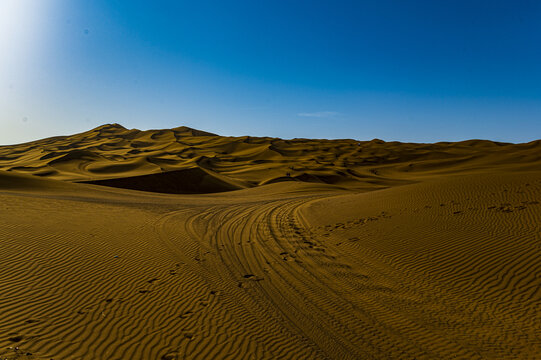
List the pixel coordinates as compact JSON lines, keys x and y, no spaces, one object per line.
{"x":420,"y":71}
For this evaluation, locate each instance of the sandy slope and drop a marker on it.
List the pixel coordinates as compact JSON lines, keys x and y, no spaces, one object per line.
{"x":113,"y":155}
{"x":378,"y":251}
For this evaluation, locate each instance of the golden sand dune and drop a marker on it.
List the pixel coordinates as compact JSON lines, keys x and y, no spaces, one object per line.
{"x":262,"y":248}
{"x":219,"y":163}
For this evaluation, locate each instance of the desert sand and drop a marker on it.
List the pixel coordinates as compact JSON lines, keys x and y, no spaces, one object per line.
{"x":182,"y":244}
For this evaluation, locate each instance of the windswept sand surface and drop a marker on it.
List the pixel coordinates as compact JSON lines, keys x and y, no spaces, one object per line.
{"x":261,"y":248}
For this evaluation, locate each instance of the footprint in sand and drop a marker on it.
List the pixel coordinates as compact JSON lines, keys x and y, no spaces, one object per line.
{"x":186,"y":314}
{"x":16,"y":338}
{"x":252,"y":277}
{"x":170,"y":356}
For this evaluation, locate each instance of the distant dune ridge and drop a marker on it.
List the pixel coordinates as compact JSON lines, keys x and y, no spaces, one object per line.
{"x":264,"y":248}
{"x":109,"y":153}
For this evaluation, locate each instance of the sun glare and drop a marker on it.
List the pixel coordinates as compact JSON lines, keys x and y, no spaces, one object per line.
{"x":22,"y":29}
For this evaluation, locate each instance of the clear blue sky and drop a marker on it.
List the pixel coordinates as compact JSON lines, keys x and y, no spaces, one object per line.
{"x":419,"y":71}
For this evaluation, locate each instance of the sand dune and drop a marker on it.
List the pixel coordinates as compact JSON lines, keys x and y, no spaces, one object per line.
{"x":263,"y":248}
{"x":112,"y":152}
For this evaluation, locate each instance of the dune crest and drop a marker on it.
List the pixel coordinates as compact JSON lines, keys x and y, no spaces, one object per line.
{"x":111,"y":152}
